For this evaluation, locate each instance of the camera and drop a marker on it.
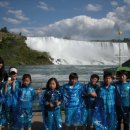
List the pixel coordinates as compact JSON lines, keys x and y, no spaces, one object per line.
{"x":9,"y":78}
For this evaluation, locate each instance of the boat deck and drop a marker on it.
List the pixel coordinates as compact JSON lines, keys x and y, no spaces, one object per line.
{"x":38,"y":125}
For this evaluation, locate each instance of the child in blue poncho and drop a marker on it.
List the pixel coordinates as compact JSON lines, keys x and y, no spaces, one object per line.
{"x":72,"y":93}
{"x":11,"y":88}
{"x":2,"y":100}
{"x":51,"y":101}
{"x":26,"y":95}
{"x":123,"y":101}
{"x":92,"y":89}
{"x":105,"y":114}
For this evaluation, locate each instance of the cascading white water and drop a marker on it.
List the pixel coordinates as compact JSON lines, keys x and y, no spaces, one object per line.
{"x":74,"y":52}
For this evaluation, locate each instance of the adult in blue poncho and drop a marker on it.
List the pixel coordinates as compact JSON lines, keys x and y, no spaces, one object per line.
{"x":11,"y":88}
{"x":3,"y":78}
{"x":2,"y":100}
{"x":123,"y":101}
{"x":72,"y":93}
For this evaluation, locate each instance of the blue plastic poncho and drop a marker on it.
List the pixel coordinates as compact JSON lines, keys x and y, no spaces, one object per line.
{"x":24,"y":113}
{"x":26,"y":97}
{"x":75,"y":111}
{"x":107,"y":109}
{"x":52,"y":115}
{"x":123,"y":101}
{"x":11,"y":100}
{"x":11,"y":95}
{"x":2,"y":116}
{"x":123,"y":90}
{"x":91,"y":100}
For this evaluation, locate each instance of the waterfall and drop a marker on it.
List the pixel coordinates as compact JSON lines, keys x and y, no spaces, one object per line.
{"x":72,"y":52}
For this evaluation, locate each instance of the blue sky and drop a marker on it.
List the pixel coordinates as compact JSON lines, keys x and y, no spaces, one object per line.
{"x":77,"y":19}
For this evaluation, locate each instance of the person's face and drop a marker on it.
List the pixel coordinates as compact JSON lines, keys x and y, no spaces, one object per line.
{"x":73,"y":81}
{"x":94,"y":81}
{"x":13,"y":76}
{"x":108,"y":80}
{"x":1,"y":65}
{"x":123,"y":77}
{"x":52,"y":85}
{"x":26,"y":81}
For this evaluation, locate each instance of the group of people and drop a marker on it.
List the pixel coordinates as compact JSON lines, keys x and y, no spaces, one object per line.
{"x":97,"y":106}
{"x":15,"y":99}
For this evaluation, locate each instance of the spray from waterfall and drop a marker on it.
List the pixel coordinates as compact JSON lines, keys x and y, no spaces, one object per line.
{"x":72,"y":52}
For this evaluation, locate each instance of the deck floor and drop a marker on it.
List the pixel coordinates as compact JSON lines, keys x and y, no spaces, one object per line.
{"x":38,"y":125}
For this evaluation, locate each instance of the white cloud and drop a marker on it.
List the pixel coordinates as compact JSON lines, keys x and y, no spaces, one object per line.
{"x":18,"y":30}
{"x":121,"y":16}
{"x":127,"y":1}
{"x":79,"y":28}
{"x":11,"y":20}
{"x":18,"y":14}
{"x":86,"y":28}
{"x":19,"y":17}
{"x":114,"y":3}
{"x":4,"y":4}
{"x":42,"y":5}
{"x":93,"y":7}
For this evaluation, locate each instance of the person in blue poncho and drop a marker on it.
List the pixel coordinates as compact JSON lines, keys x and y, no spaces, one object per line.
{"x":11,"y":88}
{"x":73,"y":102}
{"x":51,"y":108}
{"x":123,"y":101}
{"x":2,"y":100}
{"x":92,"y":89}
{"x":105,"y":106}
{"x":3,"y":78}
{"x":26,"y":95}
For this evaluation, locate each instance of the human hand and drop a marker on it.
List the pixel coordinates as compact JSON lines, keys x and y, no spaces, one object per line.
{"x":9,"y":81}
{"x":93,"y":94}
{"x":58,"y":103}
{"x":51,"y":104}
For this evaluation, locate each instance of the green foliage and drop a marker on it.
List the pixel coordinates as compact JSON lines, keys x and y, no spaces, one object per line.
{"x":14,"y":51}
{"x":4,"y":29}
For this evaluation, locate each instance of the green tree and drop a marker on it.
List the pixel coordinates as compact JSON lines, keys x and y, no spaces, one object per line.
{"x":4,"y":29}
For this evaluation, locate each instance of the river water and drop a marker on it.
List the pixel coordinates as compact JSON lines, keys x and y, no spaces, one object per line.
{"x":41,"y":73}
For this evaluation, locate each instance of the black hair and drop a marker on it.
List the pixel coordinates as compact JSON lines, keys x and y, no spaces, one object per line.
{"x":26,"y":76}
{"x":94,"y":76}
{"x":52,"y":79}
{"x":123,"y":72}
{"x":3,"y":73}
{"x":73,"y":76}
{"x":109,"y":74}
{"x":2,"y":62}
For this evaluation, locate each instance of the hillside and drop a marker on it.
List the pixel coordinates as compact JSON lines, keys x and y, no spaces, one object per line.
{"x":14,"y":51}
